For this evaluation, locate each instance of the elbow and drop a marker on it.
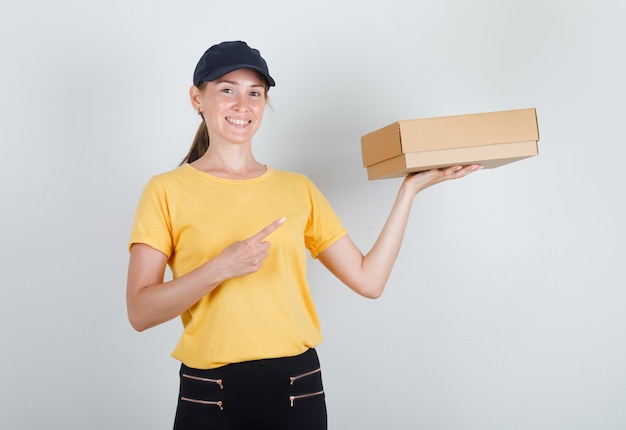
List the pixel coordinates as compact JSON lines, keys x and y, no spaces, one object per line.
{"x":137,"y":325}
{"x":374,"y":294}
{"x":371,"y":291}
{"x":136,"y":322}
{"x":139,"y":317}
{"x":138,"y":328}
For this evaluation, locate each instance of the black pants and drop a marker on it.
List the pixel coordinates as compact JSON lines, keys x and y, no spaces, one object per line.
{"x":277,"y":394}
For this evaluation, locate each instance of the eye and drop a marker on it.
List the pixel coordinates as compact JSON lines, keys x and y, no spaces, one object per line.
{"x":256,"y":94}
{"x":227,"y":90}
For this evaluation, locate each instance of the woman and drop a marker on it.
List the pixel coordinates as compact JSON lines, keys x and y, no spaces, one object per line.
{"x":232,"y":231}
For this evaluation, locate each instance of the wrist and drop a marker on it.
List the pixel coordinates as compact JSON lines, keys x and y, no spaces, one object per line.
{"x":409,"y":189}
{"x":212,"y":274}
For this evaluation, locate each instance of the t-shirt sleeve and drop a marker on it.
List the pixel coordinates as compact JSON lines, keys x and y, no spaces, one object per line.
{"x":152,"y":223}
{"x":324,"y":226}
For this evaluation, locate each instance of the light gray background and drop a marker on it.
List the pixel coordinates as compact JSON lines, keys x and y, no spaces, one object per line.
{"x":507,"y":307}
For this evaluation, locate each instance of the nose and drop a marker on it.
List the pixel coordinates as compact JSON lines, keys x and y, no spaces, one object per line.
{"x":241,"y":103}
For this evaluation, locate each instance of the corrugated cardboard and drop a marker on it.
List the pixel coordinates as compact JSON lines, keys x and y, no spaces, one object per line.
{"x":491,"y":139}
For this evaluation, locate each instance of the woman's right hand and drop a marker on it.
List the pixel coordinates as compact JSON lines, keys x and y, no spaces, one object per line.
{"x":246,"y":256}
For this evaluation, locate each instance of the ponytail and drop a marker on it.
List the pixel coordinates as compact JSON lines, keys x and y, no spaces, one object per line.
{"x":200,"y":141}
{"x":200,"y":144}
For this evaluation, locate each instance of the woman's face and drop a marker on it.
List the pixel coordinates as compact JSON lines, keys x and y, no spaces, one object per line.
{"x":232,"y":105}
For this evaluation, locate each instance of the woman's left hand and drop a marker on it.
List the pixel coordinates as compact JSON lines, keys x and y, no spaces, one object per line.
{"x":417,"y":182}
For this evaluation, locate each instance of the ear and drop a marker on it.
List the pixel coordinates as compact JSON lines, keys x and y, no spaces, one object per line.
{"x":194,"y":95}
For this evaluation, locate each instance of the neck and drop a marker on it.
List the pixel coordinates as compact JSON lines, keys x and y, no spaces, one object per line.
{"x":232,"y":162}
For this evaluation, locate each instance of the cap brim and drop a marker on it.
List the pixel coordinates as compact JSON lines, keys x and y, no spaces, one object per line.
{"x":231,"y":68}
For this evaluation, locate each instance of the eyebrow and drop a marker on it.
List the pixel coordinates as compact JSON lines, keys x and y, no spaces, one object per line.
{"x":237,"y":83}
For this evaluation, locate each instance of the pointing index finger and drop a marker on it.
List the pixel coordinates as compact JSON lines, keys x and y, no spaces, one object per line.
{"x":269,"y":229}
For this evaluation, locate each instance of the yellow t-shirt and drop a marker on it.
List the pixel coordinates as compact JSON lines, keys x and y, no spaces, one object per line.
{"x":191,"y":216}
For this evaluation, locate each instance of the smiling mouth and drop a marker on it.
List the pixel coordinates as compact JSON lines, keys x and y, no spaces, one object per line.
{"x":237,"y":121}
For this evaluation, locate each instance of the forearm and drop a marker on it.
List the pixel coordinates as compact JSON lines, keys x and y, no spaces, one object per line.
{"x":378,"y":262}
{"x":151,"y":301}
{"x":367,"y":275}
{"x":157,"y":302}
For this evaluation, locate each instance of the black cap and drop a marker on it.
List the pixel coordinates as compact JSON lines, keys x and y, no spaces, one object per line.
{"x":227,"y":57}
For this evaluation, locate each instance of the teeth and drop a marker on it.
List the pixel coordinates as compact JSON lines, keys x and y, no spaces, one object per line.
{"x":236,"y":121}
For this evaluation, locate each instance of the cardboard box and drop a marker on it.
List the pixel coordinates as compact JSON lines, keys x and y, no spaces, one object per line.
{"x":491,"y":139}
